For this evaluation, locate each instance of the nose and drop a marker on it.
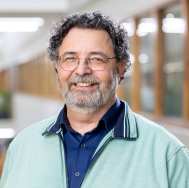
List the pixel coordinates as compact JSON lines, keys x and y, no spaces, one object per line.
{"x":83,"y":68}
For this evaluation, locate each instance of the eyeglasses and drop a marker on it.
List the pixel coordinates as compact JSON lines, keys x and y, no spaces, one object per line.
{"x":96,"y":62}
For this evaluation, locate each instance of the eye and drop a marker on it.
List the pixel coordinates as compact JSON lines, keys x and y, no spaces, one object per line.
{"x":69,"y":59}
{"x":96,"y":59}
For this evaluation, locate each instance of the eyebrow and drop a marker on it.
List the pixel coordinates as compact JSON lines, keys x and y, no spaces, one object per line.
{"x":69,"y":53}
{"x":90,"y":53}
{"x":97,"y":53}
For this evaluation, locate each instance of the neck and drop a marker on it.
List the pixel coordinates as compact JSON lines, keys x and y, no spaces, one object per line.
{"x":83,"y":121}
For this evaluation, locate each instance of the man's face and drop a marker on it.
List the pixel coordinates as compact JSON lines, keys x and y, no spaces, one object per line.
{"x":83,"y":87}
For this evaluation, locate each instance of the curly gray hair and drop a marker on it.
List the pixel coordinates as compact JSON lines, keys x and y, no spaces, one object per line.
{"x":93,"y":20}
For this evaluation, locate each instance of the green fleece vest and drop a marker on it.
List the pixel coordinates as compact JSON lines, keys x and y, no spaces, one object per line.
{"x":137,"y":154}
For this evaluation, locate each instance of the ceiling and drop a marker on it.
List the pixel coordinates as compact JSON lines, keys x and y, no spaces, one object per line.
{"x":19,"y":47}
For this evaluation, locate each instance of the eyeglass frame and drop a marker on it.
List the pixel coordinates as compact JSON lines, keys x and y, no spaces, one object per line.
{"x":87,"y":59}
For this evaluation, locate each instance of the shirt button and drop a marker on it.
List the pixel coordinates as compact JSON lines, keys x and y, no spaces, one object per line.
{"x":76,"y":174}
{"x":82,"y":145}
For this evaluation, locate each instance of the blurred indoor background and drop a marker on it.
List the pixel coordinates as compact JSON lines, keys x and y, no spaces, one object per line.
{"x":157,"y":84}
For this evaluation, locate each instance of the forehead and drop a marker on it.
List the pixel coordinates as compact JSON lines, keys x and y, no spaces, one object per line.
{"x":86,"y":40}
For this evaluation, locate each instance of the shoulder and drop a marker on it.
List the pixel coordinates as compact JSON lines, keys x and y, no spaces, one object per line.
{"x":148,"y":127}
{"x":158,"y":137}
{"x":32,"y":134}
{"x":37,"y":128}
{"x":29,"y":147}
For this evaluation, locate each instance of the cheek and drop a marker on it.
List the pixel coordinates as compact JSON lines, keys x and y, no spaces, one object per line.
{"x":63,"y":77}
{"x":105,"y":77}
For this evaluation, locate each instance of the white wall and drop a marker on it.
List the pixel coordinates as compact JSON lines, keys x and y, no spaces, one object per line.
{"x":29,"y":109}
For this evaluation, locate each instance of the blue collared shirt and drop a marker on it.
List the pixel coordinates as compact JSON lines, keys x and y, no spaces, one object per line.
{"x":80,"y":148}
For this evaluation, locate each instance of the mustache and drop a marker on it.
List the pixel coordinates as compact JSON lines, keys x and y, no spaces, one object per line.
{"x":84,"y":79}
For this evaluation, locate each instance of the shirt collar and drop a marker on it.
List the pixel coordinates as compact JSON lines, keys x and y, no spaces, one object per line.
{"x":119,"y":115}
{"x":111,"y":116}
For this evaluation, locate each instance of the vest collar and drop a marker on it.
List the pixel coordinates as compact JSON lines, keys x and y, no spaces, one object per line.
{"x":126,"y":129}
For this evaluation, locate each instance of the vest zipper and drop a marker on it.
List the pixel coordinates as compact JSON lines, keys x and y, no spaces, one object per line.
{"x":96,"y":155}
{"x":63,"y":158}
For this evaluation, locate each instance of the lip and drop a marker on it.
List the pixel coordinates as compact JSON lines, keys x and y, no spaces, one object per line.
{"x":84,"y":86}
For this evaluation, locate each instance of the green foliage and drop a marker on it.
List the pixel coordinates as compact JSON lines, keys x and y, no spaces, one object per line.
{"x":5,"y":104}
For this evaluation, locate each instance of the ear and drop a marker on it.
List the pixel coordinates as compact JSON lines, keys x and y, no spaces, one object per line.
{"x":121,"y":67}
{"x":57,"y":76}
{"x":55,"y":68}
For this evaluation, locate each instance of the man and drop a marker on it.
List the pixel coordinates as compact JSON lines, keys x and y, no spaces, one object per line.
{"x":96,"y":141}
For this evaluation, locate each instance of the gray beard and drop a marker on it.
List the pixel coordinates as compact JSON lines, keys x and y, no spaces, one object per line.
{"x":91,"y":101}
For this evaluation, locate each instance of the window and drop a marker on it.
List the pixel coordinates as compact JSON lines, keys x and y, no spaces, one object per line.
{"x":173,"y":26}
